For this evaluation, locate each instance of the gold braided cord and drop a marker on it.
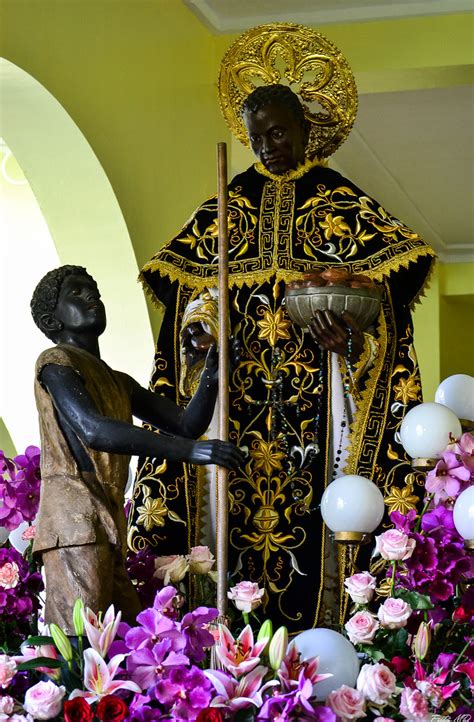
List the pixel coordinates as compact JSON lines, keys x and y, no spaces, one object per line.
{"x":302,"y":58}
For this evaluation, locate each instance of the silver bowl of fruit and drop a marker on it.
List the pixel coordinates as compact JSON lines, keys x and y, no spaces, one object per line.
{"x":334,"y":290}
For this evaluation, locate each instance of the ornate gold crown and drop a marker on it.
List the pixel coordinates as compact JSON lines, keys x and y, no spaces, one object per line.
{"x":313,"y":67}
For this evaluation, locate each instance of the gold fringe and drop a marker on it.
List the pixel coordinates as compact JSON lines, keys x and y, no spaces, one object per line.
{"x":238,"y":280}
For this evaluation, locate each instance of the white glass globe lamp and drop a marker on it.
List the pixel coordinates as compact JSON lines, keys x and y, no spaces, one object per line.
{"x":425,"y":431}
{"x":337,"y":656}
{"x":463,"y":516}
{"x":457,"y":393}
{"x":352,"y":507}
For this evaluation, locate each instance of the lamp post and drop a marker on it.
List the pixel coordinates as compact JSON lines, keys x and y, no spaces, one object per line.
{"x":457,"y":393}
{"x":425,"y":432}
{"x":463,"y":516}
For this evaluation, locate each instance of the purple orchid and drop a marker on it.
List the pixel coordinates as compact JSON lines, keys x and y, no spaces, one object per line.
{"x":147,"y":666}
{"x":19,"y":488}
{"x":447,"y":479}
{"x":183,"y":692}
{"x":198,"y":638}
{"x":153,"y":628}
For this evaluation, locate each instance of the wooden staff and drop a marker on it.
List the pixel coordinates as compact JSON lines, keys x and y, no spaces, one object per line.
{"x":223,"y":287}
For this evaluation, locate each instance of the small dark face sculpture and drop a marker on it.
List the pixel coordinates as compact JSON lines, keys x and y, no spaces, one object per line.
{"x":277,"y":138}
{"x":79,"y":308}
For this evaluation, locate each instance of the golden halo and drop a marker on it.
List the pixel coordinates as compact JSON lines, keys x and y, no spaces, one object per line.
{"x":313,"y":67}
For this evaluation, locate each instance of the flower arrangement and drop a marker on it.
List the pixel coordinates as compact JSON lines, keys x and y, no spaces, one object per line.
{"x":410,"y":624}
{"x":20,"y":580}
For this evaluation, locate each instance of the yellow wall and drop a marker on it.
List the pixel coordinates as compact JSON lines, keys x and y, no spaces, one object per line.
{"x":138,"y":77}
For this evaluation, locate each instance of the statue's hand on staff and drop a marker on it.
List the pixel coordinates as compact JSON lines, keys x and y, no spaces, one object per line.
{"x":333,"y":333}
{"x":222,"y":453}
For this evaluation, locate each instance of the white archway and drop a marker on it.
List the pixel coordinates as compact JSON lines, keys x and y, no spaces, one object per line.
{"x":84,"y":220}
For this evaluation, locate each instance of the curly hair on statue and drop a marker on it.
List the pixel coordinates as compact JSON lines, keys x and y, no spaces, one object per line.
{"x":46,"y":294}
{"x":275,"y":93}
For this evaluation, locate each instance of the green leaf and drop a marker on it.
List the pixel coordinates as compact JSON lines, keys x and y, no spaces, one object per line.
{"x":414,"y":599}
{"x":40,"y":662}
{"x":245,"y":715}
{"x":374,"y":654}
{"x":38,"y":641}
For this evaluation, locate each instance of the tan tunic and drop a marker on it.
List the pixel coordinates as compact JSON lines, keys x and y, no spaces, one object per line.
{"x":75,"y":508}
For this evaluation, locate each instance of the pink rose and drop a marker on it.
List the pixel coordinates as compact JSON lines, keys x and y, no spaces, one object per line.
{"x":44,"y":700}
{"x":394,"y":545}
{"x":361,"y":587}
{"x":394,"y":613}
{"x":413,"y":705}
{"x":6,"y":707}
{"x":347,"y":703}
{"x":29,"y":533}
{"x":246,"y":596}
{"x":376,"y":682}
{"x":361,"y":628}
{"x":200,"y":560}
{"x":7,"y":670}
{"x":9,"y":575}
{"x":171,"y":569}
{"x":383,"y":719}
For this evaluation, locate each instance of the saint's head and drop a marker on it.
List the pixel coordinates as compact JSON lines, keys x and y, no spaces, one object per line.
{"x":277,"y":128}
{"x":66,"y":305}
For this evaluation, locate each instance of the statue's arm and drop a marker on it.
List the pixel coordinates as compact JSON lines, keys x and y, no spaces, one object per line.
{"x":190,"y":422}
{"x":76,"y":407}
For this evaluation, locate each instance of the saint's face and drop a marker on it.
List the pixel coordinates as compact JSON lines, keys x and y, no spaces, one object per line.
{"x":79,"y":307}
{"x":277,"y":138}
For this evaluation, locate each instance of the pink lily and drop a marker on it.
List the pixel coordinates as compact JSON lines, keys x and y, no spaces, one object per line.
{"x":101,"y":633}
{"x":234,"y":694}
{"x":240,"y":655}
{"x":468,"y":669}
{"x":292,"y":666}
{"x":99,"y":677}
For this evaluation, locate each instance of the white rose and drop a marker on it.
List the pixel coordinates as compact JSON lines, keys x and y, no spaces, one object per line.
{"x":200,"y":560}
{"x":394,"y":545}
{"x":394,"y":613}
{"x":246,"y":596}
{"x":171,"y":569}
{"x":376,"y":682}
{"x":361,"y":587}
{"x":347,"y":703}
{"x":361,"y":628}
{"x":44,"y":700}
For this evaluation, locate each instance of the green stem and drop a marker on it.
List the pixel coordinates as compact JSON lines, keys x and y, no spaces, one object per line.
{"x":246,"y":617}
{"x":423,"y":512}
{"x":392,"y":583}
{"x":461,"y":653}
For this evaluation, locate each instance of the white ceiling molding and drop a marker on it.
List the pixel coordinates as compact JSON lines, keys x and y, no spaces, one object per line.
{"x":227,"y":16}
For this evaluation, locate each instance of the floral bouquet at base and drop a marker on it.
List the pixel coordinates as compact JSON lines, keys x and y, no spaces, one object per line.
{"x":418,"y":645}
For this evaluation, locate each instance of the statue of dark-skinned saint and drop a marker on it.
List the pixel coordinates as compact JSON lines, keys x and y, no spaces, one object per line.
{"x":308,"y":404}
{"x":87,"y":437}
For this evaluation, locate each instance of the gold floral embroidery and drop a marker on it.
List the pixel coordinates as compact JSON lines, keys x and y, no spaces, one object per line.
{"x":266,"y":455}
{"x":152,"y":513}
{"x":407,"y":390}
{"x":273,"y":326}
{"x":334,"y":226}
{"x":401,"y":500}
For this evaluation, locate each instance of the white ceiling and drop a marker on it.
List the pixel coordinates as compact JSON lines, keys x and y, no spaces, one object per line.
{"x":413,"y":149}
{"x":227,"y":16}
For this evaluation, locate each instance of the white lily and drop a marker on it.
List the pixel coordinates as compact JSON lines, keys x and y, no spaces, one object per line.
{"x":99,"y":677}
